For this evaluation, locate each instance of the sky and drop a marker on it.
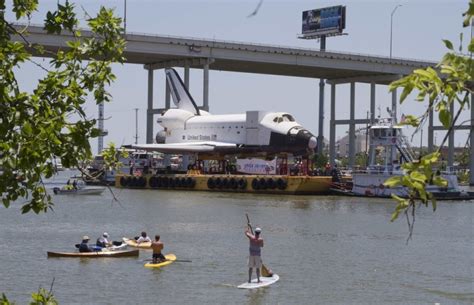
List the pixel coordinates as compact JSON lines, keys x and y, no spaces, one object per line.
{"x":418,"y":29}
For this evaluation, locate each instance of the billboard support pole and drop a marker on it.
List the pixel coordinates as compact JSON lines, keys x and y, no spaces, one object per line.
{"x":319,"y":24}
{"x":321,"y":104}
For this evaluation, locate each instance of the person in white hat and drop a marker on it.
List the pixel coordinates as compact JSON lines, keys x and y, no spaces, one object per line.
{"x":103,"y":241}
{"x":84,"y":246}
{"x":255,"y":252}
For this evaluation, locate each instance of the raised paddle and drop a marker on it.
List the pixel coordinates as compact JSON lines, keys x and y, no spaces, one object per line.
{"x":248,"y":223}
{"x":265,"y":271}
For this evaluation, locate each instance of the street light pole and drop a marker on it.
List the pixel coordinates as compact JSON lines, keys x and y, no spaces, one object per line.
{"x":391,"y":27}
{"x":125,"y":17}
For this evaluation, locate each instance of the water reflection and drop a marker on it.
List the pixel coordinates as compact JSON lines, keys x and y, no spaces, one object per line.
{"x":301,"y":204}
{"x":257,"y":296}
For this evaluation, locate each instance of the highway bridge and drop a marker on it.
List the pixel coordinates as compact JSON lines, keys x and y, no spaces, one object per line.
{"x":159,"y":51}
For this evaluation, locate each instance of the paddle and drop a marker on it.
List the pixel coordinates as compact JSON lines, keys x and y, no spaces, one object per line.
{"x":248,"y":223}
{"x":265,"y":271}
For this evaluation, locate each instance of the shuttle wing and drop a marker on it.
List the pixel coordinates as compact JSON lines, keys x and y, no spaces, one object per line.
{"x":190,"y":147}
{"x":181,"y":96}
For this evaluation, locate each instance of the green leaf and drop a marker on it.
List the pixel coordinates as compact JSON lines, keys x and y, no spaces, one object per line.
{"x":470,"y":47}
{"x":431,"y":158}
{"x":27,"y":128}
{"x":423,"y":73}
{"x":445,"y":118}
{"x":440,"y":181}
{"x":393,"y":181}
{"x":448,"y":44}
{"x":394,"y":216}
{"x":398,"y":198}
{"x":402,"y":205}
{"x":406,"y":91}
{"x":417,"y":176}
{"x":410,"y":120}
{"x":468,"y":15}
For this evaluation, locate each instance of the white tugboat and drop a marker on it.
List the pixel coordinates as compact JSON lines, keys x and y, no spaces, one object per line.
{"x":388,"y":138}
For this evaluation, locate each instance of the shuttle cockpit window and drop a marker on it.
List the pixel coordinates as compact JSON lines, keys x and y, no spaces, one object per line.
{"x":288,"y":118}
{"x":283,"y":118}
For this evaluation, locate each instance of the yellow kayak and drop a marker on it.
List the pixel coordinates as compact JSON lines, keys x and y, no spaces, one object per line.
{"x":133,"y":243}
{"x":170,"y":258}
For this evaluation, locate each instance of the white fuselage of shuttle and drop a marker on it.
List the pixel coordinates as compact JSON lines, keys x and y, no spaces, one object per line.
{"x":253,"y":128}
{"x":189,"y":129}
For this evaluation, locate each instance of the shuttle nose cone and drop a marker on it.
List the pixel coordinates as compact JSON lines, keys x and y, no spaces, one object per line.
{"x":312,"y":142}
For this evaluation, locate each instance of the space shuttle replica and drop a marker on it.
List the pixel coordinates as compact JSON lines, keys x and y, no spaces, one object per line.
{"x":188,"y":129}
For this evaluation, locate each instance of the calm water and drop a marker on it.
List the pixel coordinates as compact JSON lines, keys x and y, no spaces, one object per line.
{"x":327,"y":250}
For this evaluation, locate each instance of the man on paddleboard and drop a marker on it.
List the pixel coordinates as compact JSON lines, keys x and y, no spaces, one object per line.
{"x":157,"y":246}
{"x":255,"y":249}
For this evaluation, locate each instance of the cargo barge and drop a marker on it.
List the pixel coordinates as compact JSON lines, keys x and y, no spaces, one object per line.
{"x":192,"y":181}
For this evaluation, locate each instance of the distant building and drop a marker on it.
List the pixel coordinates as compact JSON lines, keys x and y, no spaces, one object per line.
{"x":342,"y":145}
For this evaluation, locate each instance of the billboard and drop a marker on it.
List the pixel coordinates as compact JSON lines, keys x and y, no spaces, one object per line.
{"x":324,"y":21}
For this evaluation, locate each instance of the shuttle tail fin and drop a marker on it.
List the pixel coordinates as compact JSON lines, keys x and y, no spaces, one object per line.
{"x":181,"y":96}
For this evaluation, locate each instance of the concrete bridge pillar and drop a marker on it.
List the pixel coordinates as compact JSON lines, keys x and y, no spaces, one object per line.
{"x":352,"y":127}
{"x":371,"y":152}
{"x":332,"y":128}
{"x":186,"y":76}
{"x":149,"y":113}
{"x":205,"y":94}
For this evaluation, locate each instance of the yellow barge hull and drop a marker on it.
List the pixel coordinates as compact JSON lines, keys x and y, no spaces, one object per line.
{"x":270,"y":184}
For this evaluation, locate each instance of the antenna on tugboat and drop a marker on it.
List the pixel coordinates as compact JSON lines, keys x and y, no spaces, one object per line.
{"x":136,"y":126}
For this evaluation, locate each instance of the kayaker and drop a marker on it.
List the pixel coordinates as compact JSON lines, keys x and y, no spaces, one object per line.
{"x":84,"y":246}
{"x":143,"y":238}
{"x":157,"y":246}
{"x":103,"y":240}
{"x":68,"y":185}
{"x":255,"y":252}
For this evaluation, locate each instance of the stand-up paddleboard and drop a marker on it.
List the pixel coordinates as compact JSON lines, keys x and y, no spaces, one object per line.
{"x":264,"y":281}
{"x":170,"y":258}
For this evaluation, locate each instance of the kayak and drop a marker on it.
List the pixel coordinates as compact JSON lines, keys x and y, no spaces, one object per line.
{"x":80,"y":191}
{"x":125,"y":253}
{"x":133,"y":243}
{"x":170,"y":258}
{"x":264,"y":281}
{"x":96,"y":248}
{"x":123,"y":246}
